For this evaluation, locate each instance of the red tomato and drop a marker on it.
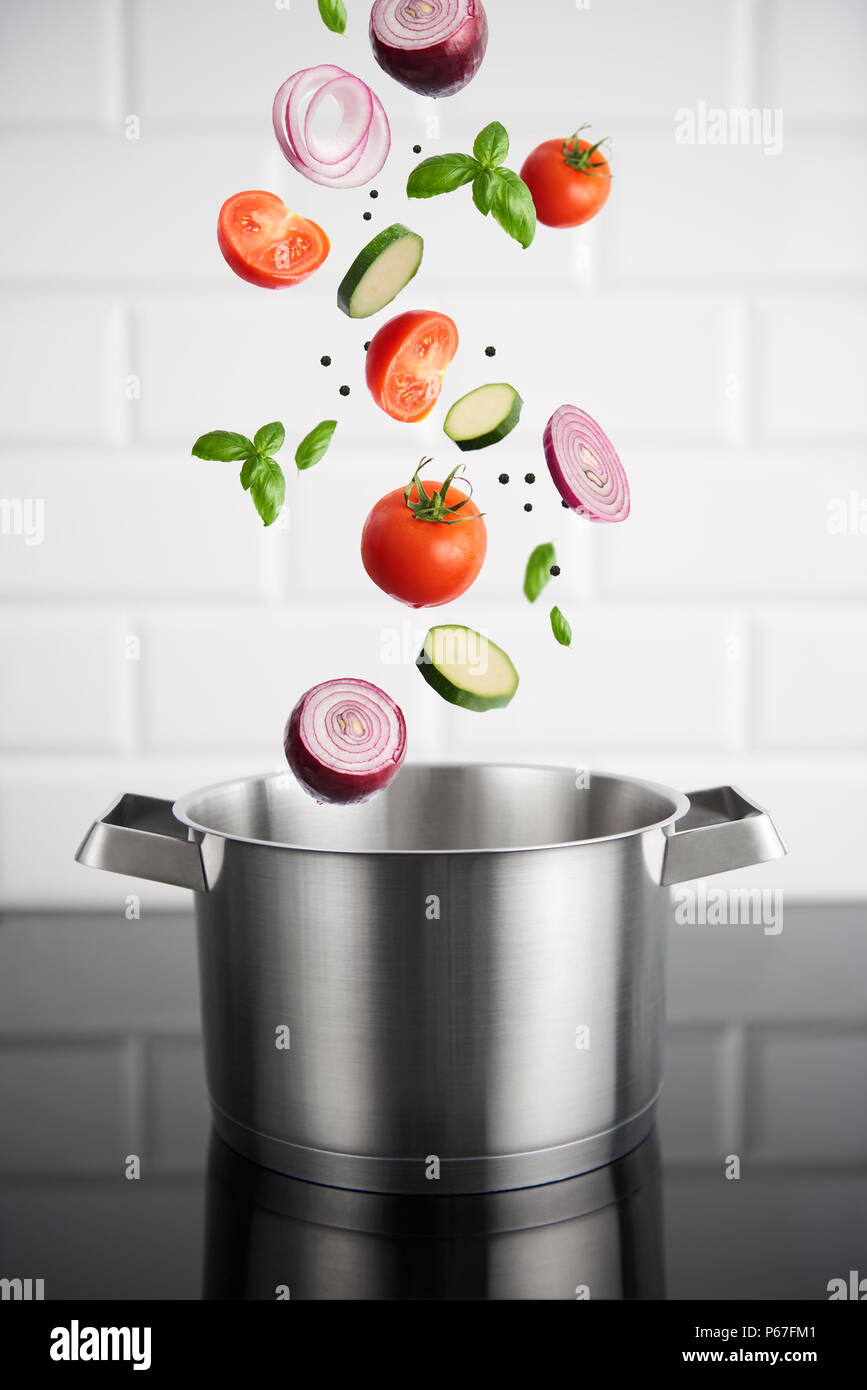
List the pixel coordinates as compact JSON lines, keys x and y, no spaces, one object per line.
{"x":569,"y":181}
{"x":423,"y":563}
{"x":267,"y":244}
{"x":406,"y":361}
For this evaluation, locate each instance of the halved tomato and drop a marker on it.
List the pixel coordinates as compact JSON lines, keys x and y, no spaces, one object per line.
{"x":266,"y":243}
{"x":406,"y":362}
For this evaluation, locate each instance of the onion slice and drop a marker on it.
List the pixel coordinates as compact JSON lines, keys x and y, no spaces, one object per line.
{"x":356,"y":151}
{"x":433,"y":47}
{"x":345,"y":741}
{"x":584,"y":465}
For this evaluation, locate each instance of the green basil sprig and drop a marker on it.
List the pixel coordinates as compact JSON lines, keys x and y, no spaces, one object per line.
{"x":261,"y":474}
{"x":333,"y":14}
{"x":495,"y":189}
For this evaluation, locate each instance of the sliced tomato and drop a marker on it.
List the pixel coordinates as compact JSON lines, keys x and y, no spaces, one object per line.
{"x":406,"y":362}
{"x":266,"y":243}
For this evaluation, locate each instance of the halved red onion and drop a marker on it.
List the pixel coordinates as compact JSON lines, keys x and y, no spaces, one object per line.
{"x":584,"y":465}
{"x":434,"y":47}
{"x":356,"y":151}
{"x":345,"y":741}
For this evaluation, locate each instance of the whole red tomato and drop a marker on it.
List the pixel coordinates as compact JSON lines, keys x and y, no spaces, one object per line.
{"x":424,"y":544}
{"x":569,"y":180}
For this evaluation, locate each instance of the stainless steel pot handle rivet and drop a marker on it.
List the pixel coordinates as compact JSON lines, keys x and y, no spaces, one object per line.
{"x":139,"y":836}
{"x":722,"y":830}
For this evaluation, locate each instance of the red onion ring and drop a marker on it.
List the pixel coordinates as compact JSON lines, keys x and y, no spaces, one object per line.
{"x":359,"y":147}
{"x":434,"y":47}
{"x":345,"y":740}
{"x":584,"y":466}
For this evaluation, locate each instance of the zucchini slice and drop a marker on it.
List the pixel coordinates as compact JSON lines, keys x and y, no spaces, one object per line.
{"x":484,"y":416}
{"x":380,"y":271}
{"x":467,"y":668}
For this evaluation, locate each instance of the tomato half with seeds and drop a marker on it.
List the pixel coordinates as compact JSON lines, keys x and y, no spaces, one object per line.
{"x":406,"y":362}
{"x":266,"y":243}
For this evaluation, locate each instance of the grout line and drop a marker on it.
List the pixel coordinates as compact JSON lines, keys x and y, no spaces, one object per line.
{"x":732,"y":1089}
{"x":744,"y":54}
{"x":136,"y":1095}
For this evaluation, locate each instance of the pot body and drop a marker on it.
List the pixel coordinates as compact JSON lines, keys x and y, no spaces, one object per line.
{"x":456,"y":988}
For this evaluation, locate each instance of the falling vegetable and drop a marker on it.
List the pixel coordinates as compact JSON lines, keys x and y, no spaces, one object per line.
{"x":345,"y":740}
{"x":569,"y":180}
{"x":538,"y":571}
{"x":314,"y":445}
{"x":433,"y":47}
{"x":467,"y":669}
{"x":266,"y":243}
{"x":357,"y":150}
{"x":407,"y":360}
{"x":380,"y":271}
{"x":495,"y":189}
{"x":261,"y":474}
{"x":584,"y":466}
{"x":483,"y":416}
{"x":333,"y":14}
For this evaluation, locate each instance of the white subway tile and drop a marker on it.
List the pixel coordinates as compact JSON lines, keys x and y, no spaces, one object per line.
{"x":55,"y":63}
{"x":799,"y":1073}
{"x":65,"y":681}
{"x":230,"y":680}
{"x":734,"y":214}
{"x":811,"y":373}
{"x":716,"y":523}
{"x":813,"y":57}
{"x":60,"y":368}
{"x":128,"y":523}
{"x":811,"y":674}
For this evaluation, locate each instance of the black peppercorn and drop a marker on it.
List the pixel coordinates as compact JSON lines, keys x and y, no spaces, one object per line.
{"x":490,"y":352}
{"x":416,"y":149}
{"x":344,"y":390}
{"x":504,"y":477}
{"x":555,"y":570}
{"x":374,"y":193}
{"x":367,"y":216}
{"x":528,"y":506}
{"x":367,"y":345}
{"x":326,"y":361}
{"x":529,"y":477}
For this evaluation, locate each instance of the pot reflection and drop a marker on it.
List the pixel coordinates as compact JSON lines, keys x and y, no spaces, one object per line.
{"x":268,"y":1236}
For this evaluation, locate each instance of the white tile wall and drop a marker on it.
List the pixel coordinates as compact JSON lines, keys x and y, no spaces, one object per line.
{"x":712,"y":317}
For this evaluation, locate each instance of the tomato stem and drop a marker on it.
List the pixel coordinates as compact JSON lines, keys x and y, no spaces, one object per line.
{"x":433,"y":507}
{"x":582,"y":159}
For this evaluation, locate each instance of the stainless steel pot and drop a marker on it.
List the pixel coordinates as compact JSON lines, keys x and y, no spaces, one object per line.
{"x":456,"y":987}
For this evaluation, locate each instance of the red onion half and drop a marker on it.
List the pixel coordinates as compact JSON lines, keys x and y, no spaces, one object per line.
{"x":345,"y":741}
{"x":434,"y":47}
{"x":584,"y":465}
{"x":356,"y":151}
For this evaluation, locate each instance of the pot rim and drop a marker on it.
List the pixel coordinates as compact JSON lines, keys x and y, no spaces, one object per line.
{"x":680,"y":804}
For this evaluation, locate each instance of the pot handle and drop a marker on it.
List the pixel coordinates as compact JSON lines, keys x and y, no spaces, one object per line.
{"x":139,"y":835}
{"x":722,"y":830}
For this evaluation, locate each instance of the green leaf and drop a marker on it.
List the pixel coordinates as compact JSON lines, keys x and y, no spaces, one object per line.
{"x":538,"y":572}
{"x":267,"y":488}
{"x":269,"y":439}
{"x":491,"y":146}
{"x":333,"y":14}
{"x":513,"y":207}
{"x":560,"y":628}
{"x":442,"y":173}
{"x":484,"y":188}
{"x":248,"y":472}
{"x":222,"y":446}
{"x":314,"y":445}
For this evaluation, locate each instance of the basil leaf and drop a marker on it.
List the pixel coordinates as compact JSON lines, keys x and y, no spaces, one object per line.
{"x":442,"y":173}
{"x":484,"y":188}
{"x":538,"y":572}
{"x":513,"y":207}
{"x":560,"y":628}
{"x":269,"y":439}
{"x":248,"y":472}
{"x":314,"y":445}
{"x":267,"y":488}
{"x":491,"y":146}
{"x":333,"y":14}
{"x":221,"y":446}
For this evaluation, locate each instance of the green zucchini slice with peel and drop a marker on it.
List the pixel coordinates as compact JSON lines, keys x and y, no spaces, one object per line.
{"x":484,"y":416}
{"x":380,"y":271}
{"x":466,"y":668}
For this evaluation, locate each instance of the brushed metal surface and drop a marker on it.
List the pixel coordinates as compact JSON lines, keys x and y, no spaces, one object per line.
{"x":467,"y":971}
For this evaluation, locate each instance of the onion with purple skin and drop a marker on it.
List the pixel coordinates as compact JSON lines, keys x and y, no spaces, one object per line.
{"x":345,"y":741}
{"x":356,"y":151}
{"x":584,"y":466}
{"x":434,"y":47}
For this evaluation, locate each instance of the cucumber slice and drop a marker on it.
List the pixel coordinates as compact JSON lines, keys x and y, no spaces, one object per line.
{"x":484,"y":416}
{"x":466,"y":668}
{"x":380,"y":271}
